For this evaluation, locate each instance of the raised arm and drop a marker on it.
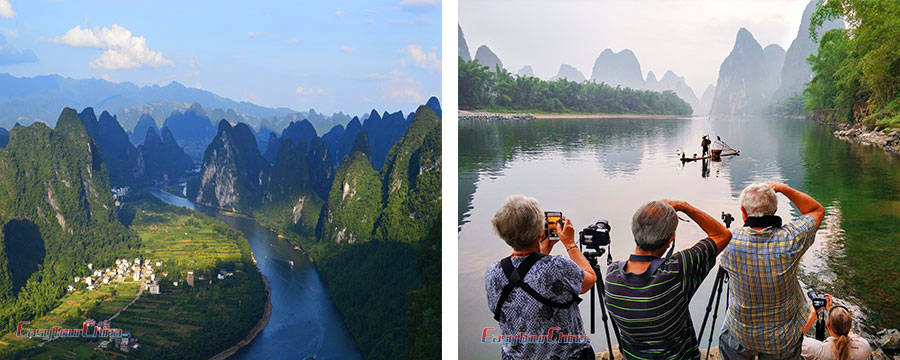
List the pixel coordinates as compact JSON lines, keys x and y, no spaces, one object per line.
{"x":805,"y":203}
{"x":567,"y":237}
{"x":714,"y":229}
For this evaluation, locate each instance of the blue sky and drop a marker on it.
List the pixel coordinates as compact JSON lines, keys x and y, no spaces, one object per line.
{"x":328,"y":55}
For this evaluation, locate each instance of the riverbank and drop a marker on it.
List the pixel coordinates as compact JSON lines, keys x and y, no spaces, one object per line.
{"x":889,"y":140}
{"x":489,"y":115}
{"x":263,"y":322}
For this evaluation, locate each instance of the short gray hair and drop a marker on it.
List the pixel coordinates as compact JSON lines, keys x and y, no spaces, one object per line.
{"x":519,"y":221}
{"x":653,"y":224}
{"x":758,"y":199}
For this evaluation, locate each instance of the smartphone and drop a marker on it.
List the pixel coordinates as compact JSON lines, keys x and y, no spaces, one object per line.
{"x":552,"y":223}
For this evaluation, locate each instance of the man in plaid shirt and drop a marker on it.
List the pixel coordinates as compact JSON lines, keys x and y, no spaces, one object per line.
{"x":766,"y":306}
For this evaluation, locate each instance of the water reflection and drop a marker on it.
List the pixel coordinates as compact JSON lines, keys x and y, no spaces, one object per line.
{"x":591,"y":169}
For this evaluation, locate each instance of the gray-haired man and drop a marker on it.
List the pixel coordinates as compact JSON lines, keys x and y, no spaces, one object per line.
{"x":648,"y":295}
{"x":766,"y":307}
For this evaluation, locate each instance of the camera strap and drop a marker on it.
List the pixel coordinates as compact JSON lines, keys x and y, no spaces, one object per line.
{"x":763,"y":221}
{"x":516,"y":277}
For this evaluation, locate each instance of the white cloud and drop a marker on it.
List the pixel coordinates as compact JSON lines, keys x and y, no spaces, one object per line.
{"x":123,"y":50}
{"x":6,"y":10}
{"x":106,"y":77}
{"x":420,"y":5}
{"x":401,"y":87}
{"x":292,"y":40}
{"x":307,"y":91}
{"x":429,"y":60}
{"x":338,"y":14}
{"x":13,"y":33}
{"x":373,"y":76}
{"x":256,"y":34}
{"x":347,"y":49}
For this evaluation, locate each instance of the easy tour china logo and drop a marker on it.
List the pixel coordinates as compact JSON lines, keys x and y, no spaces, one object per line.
{"x":89,"y":329}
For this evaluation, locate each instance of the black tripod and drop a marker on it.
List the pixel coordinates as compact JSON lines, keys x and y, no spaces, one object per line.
{"x":718,"y":285}
{"x":721,"y":278}
{"x":592,"y":257}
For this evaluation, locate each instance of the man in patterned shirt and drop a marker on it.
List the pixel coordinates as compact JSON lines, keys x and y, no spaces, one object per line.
{"x":648,"y":295}
{"x":766,"y":307}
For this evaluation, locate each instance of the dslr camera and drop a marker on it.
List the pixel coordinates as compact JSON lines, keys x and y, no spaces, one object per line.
{"x":595,"y":236}
{"x":818,"y":300}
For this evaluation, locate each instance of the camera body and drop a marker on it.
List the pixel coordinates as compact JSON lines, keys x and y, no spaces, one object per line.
{"x":818,"y":300}
{"x":595,"y":235}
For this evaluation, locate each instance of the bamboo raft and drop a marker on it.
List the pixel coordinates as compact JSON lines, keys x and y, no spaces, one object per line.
{"x":713,"y":154}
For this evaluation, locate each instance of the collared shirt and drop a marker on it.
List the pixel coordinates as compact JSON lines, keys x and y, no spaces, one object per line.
{"x":555,"y":277}
{"x":824,"y":350}
{"x":651,"y":308}
{"x":766,"y":306}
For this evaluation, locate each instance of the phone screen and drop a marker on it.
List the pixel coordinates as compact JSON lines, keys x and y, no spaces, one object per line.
{"x":551,"y":221}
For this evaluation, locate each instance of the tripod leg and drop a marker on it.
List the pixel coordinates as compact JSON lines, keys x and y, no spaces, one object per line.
{"x":600,"y":290}
{"x":720,"y":278}
{"x":592,"y":310}
{"x":717,"y":283}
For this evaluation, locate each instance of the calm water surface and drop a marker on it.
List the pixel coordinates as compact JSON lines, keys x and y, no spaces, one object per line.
{"x":605,"y":169}
{"x":304,"y":321}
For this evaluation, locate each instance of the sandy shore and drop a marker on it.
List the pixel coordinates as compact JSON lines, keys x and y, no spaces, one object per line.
{"x":485,"y":115}
{"x":267,"y":313}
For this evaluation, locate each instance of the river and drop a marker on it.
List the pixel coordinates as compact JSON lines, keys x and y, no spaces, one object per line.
{"x":606,"y":168}
{"x":304,"y":321}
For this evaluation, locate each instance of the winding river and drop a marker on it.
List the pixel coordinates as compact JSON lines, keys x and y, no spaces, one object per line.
{"x":606,"y":168}
{"x":305,"y":324}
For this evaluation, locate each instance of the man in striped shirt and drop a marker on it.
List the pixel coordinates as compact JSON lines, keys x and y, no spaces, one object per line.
{"x":766,"y":307}
{"x":648,"y":295}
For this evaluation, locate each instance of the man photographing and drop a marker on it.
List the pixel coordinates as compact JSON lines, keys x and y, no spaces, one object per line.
{"x":766,"y":306}
{"x":648,"y":295}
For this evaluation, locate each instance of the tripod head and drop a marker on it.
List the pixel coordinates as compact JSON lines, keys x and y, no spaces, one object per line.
{"x":593,"y":255}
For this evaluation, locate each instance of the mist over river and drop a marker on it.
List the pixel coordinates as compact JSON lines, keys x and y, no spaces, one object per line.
{"x":606,"y":168}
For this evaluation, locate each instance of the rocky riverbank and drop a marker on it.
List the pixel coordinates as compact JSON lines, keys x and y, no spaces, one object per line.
{"x":488,"y":116}
{"x":889,"y":140}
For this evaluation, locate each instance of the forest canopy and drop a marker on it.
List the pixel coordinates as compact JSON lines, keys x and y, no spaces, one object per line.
{"x":481,"y":88}
{"x":857,"y":70}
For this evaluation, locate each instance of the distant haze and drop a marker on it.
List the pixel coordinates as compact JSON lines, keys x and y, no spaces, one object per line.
{"x":691,"y":37}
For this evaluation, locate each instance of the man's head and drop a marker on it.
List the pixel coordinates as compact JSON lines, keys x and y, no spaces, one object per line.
{"x":758,"y":199}
{"x":519,"y":222}
{"x":653,"y":226}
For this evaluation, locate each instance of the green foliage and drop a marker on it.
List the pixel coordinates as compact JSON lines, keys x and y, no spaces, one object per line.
{"x":181,"y":322}
{"x":423,"y":312}
{"x":354,"y":202}
{"x":398,"y":316}
{"x":369,"y":283}
{"x":835,"y":89}
{"x":480,"y":88}
{"x":54,"y":181}
{"x":412,"y":180}
{"x":858,"y":72}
